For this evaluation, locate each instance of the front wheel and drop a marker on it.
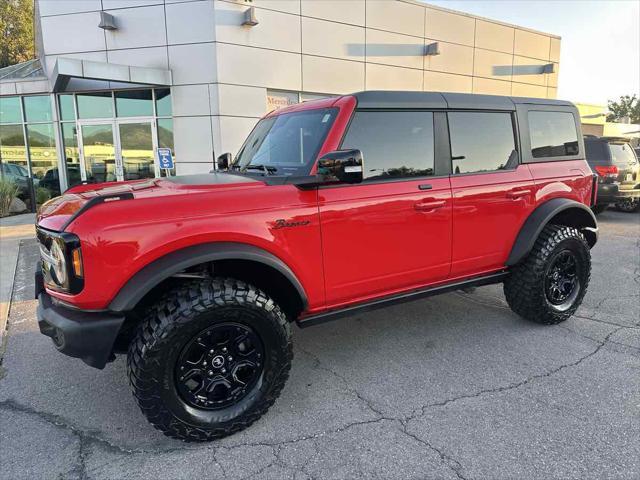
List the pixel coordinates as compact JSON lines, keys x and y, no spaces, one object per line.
{"x":209,"y":359}
{"x":549,"y":285}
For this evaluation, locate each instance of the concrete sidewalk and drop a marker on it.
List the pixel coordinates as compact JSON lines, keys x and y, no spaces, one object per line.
{"x":12,"y":231}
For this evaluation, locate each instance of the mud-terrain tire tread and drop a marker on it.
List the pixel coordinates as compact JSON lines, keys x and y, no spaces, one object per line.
{"x":177,"y":307}
{"x":524,"y":288}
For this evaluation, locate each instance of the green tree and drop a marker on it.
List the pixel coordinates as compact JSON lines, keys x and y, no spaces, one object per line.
{"x":16,"y":32}
{"x":627,"y":106}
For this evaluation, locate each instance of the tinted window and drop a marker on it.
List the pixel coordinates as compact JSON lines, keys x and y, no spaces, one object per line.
{"x":393,"y":144}
{"x":482,"y":142}
{"x":622,"y":154}
{"x":553,"y":134}
{"x":596,"y":151}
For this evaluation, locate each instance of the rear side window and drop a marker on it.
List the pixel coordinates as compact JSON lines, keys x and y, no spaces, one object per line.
{"x":393,"y":144}
{"x":482,"y":141}
{"x":553,"y":134}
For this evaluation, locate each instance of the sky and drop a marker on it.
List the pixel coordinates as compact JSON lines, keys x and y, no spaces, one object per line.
{"x":600,"y":47}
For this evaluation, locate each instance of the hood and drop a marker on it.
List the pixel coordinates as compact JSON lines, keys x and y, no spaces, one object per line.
{"x":59,"y":212}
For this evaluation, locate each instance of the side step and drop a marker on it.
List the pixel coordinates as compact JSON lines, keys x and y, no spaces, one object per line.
{"x":400,"y":298}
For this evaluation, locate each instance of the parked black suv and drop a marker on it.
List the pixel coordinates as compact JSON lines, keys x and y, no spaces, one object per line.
{"x":616,"y":164}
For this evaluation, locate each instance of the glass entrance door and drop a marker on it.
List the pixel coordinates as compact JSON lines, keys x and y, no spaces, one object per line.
{"x":117,"y":151}
{"x":137,"y":150}
{"x":98,"y":153}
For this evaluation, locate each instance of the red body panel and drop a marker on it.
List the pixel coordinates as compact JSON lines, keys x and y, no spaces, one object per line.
{"x":354,"y":242}
{"x":384,"y":236}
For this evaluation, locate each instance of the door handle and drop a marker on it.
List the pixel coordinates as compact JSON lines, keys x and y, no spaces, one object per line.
{"x":515,"y":194}
{"x":429,"y":205}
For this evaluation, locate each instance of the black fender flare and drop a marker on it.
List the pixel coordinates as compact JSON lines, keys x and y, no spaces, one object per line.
{"x":164,"y":267}
{"x":573,"y":213}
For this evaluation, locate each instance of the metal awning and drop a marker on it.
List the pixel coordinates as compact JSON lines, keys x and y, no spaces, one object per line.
{"x":68,"y":68}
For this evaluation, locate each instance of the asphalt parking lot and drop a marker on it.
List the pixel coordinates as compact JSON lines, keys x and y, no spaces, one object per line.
{"x":454,"y":386}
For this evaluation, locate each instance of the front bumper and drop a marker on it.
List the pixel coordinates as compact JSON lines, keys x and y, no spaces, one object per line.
{"x":86,"y":335}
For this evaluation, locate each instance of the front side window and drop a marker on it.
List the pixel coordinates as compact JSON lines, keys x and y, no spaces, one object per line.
{"x":482,"y":142}
{"x":286,"y":144}
{"x":393,"y":144}
{"x":553,"y":134}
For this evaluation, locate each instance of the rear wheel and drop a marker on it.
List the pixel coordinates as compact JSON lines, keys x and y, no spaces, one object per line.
{"x":210,"y":359}
{"x":549,"y":285}
{"x":628,"y":205}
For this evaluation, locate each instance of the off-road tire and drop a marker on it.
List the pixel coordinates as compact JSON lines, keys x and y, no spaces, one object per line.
{"x":598,"y":209}
{"x":525,"y":290}
{"x":173,"y":322}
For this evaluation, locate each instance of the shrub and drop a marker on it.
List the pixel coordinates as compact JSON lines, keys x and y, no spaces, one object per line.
{"x":8,"y":191}
{"x":42,"y":195}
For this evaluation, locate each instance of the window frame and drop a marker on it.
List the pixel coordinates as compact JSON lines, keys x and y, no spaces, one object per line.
{"x":523,"y":110}
{"x":441,"y":157}
{"x":514,"y":132}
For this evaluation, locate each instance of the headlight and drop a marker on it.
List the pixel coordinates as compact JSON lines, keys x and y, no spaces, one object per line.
{"x":62,"y":267}
{"x":58,"y":265}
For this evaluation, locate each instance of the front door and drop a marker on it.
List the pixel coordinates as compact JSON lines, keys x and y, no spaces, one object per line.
{"x":117,"y":151}
{"x":393,"y":231}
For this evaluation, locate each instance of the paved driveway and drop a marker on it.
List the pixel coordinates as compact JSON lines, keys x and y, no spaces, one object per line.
{"x":454,"y":386}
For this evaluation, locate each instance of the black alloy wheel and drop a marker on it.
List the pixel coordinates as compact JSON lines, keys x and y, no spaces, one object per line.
{"x":561,"y":281}
{"x":219,"y":366}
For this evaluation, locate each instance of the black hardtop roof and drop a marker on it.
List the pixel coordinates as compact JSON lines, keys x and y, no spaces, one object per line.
{"x":402,"y":99}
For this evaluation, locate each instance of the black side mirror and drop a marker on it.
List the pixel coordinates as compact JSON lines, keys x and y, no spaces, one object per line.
{"x":224,"y":161}
{"x":344,"y":166}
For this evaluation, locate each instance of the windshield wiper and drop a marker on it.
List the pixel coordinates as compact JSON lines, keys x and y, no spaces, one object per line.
{"x":267,"y":170}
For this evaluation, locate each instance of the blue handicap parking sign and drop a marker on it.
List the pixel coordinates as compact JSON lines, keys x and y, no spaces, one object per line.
{"x":165,"y":159}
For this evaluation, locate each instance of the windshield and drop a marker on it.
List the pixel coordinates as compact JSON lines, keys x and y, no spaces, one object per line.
{"x":622,"y":154}
{"x":286,"y":144}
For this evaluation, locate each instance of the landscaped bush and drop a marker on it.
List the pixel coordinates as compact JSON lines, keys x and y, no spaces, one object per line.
{"x":8,"y":191}
{"x":42,"y":195}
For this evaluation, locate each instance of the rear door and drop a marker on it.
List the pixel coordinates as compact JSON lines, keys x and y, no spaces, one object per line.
{"x":492,"y":192}
{"x":392,"y":232}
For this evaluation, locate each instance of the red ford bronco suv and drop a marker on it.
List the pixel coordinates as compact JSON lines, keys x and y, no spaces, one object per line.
{"x":331,"y":207}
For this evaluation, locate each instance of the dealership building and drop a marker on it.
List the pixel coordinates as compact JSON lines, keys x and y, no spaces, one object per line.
{"x":114,"y":80}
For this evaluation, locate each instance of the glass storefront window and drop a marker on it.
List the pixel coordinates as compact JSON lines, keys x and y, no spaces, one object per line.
{"x":44,"y":161}
{"x":38,"y":108}
{"x":134,"y":103}
{"x":13,"y":162}
{"x":95,"y":105}
{"x":163,"y":102}
{"x":165,"y":140}
{"x":71,"y":153}
{"x":67,"y":112}
{"x":10,"y":110}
